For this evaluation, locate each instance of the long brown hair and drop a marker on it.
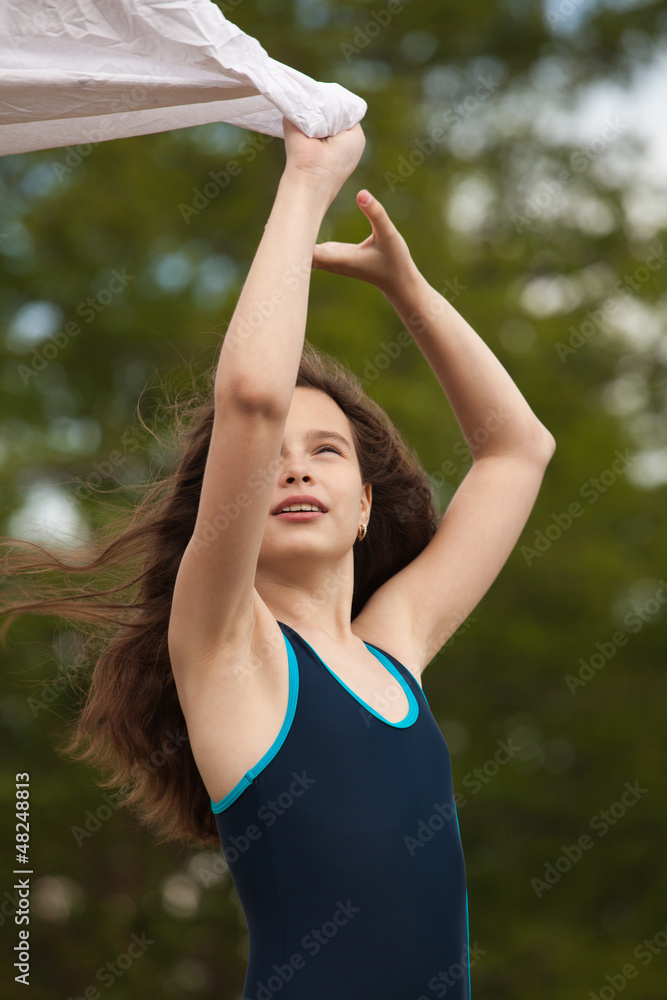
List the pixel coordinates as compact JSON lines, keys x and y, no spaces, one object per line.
{"x":130,"y":721}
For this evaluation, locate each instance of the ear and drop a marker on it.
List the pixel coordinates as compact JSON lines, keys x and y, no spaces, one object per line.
{"x":367,"y":496}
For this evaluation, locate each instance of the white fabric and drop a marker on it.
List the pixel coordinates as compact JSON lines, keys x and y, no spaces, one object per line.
{"x":80,"y":71}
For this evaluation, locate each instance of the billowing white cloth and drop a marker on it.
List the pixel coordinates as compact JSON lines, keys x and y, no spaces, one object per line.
{"x":81,"y":71}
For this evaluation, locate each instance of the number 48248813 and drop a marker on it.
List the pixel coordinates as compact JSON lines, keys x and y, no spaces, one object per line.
{"x":22,"y":810}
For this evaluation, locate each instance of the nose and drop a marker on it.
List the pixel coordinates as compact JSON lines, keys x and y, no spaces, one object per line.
{"x":305,"y":476}
{"x":294,"y":468}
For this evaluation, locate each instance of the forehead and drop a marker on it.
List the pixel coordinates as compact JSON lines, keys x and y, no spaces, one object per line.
{"x":314,"y":408}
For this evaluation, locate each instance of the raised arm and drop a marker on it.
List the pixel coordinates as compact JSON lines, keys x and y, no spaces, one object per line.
{"x":511,"y":448}
{"x":263,"y":344}
{"x":214,"y":590}
{"x":474,"y":380}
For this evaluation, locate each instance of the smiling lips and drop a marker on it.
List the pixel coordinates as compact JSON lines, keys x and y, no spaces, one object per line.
{"x":300,"y":515}
{"x":298,"y":508}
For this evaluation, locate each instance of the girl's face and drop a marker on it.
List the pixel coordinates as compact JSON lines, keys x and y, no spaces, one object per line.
{"x":315,"y":461}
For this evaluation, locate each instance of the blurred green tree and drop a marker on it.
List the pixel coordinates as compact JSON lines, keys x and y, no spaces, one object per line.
{"x":547,"y":235}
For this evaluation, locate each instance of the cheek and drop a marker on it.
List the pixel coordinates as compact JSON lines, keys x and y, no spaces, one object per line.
{"x":347,"y":497}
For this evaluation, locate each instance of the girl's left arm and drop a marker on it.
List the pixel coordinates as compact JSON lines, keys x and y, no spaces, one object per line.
{"x":492,"y":413}
{"x":421,"y":606}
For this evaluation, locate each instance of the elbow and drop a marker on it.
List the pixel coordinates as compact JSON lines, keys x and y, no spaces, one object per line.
{"x":544,"y":444}
{"x":247,"y":394}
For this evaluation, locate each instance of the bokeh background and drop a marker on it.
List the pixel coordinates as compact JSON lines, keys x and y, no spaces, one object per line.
{"x":539,"y":209}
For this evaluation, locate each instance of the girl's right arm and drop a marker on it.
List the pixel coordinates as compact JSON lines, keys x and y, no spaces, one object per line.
{"x":263,"y":344}
{"x":214,"y":597}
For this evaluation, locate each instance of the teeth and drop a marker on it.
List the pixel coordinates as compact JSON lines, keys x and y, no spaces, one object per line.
{"x":298,"y":506}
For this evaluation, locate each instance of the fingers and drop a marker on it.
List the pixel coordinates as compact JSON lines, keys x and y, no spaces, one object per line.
{"x":375,"y":213}
{"x":289,"y":126}
{"x":320,"y":255}
{"x":326,"y":255}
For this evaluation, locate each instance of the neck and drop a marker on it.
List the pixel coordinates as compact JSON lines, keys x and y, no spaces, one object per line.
{"x":313,"y":599}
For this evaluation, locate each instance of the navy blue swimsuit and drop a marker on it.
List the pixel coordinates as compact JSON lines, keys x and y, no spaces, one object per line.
{"x":343,"y":844}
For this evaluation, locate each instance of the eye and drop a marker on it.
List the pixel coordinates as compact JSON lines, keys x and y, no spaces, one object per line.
{"x":328,"y":447}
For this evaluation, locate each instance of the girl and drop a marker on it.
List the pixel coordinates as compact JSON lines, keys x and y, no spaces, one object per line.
{"x":296,"y":582}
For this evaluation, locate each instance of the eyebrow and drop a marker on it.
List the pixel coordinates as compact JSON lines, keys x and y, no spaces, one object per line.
{"x":334,"y":435}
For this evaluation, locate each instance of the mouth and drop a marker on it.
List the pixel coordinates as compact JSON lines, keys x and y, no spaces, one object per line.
{"x":299,"y":500}
{"x":300,"y":515}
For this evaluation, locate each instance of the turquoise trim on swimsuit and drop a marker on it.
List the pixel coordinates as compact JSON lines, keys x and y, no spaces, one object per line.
{"x":467,"y":918}
{"x":250,"y":775}
{"x":413,"y":707}
{"x":340,"y":849}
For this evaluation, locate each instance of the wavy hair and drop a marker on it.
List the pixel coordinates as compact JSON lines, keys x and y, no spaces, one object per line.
{"x":129,"y":721}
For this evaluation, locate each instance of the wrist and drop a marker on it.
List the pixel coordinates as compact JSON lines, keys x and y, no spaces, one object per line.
{"x":405,"y":289}
{"x":316,"y":190}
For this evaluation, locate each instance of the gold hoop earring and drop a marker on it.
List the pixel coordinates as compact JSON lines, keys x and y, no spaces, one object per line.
{"x":362,"y":531}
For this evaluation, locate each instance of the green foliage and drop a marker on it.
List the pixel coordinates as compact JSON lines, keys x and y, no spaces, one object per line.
{"x":525,"y":273}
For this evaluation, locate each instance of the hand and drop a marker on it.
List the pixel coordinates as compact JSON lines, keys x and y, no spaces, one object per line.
{"x":382,"y":259}
{"x":324,"y":163}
